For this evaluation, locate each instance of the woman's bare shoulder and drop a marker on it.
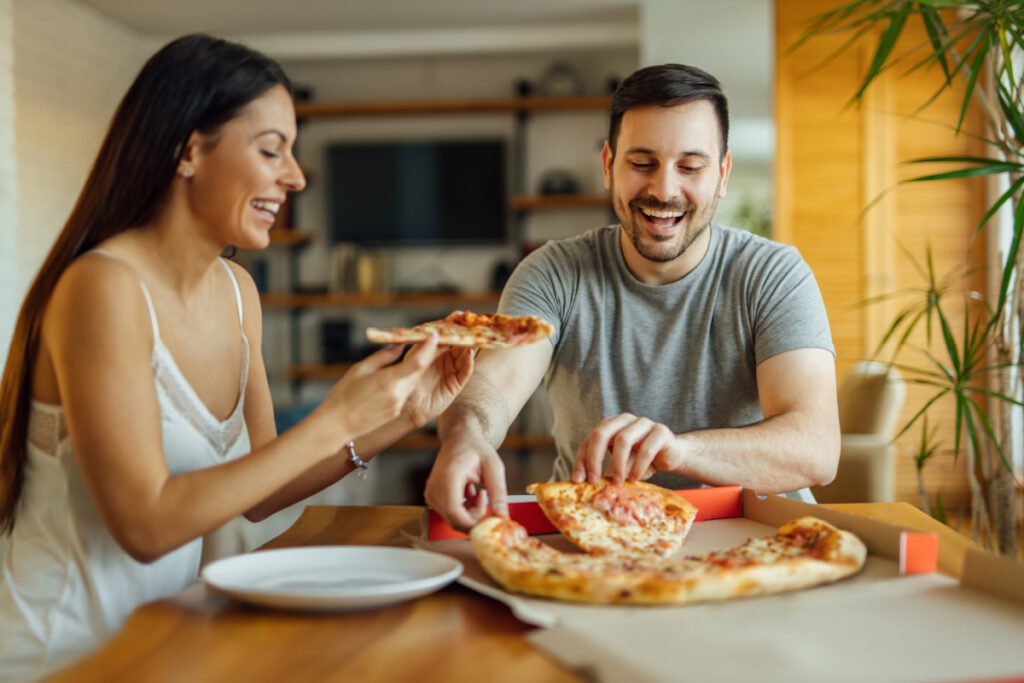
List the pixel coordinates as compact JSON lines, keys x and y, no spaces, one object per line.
{"x":97,"y":288}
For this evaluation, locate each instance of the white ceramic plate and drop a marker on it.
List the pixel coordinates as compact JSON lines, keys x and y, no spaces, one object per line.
{"x":332,"y":578}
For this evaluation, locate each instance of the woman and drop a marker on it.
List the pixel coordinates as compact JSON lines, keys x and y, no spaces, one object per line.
{"x":136,"y":410}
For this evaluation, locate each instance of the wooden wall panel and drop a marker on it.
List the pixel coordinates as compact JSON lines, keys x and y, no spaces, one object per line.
{"x":832,"y":162}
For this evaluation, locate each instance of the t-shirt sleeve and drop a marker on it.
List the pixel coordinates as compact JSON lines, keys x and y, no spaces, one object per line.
{"x":788,"y":310}
{"x":542,"y":285}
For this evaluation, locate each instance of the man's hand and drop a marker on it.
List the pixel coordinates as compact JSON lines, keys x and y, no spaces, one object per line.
{"x":638,"y":448}
{"x":468,"y":474}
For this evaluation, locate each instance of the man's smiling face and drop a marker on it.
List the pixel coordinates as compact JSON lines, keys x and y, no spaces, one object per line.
{"x":666,"y":177}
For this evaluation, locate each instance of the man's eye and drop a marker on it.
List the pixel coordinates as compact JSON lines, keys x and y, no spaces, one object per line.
{"x":692,"y":169}
{"x":642,"y":167}
{"x":270,"y":155}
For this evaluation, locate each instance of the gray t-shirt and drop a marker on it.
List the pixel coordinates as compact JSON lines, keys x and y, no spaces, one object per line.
{"x":683,"y":354}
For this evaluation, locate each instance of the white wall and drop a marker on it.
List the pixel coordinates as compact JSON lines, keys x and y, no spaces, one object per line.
{"x":737,"y":47}
{"x":70,"y":67}
{"x":9,"y":280}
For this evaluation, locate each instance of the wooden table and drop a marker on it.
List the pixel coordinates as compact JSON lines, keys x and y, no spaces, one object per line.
{"x":452,"y":635}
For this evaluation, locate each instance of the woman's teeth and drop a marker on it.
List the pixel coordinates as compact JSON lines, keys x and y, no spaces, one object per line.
{"x":266,"y":205}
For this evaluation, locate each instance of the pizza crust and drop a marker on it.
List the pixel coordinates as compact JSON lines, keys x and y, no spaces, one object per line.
{"x":804,"y":553}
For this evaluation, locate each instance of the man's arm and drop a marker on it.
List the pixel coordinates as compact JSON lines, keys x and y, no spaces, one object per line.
{"x":796,"y":445}
{"x":468,"y":472}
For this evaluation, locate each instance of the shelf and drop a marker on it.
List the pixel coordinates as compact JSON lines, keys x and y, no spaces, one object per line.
{"x":330,"y":371}
{"x":419,"y":441}
{"x":289,"y":238}
{"x":381,"y":300}
{"x":464,"y":106}
{"x":558,"y":201}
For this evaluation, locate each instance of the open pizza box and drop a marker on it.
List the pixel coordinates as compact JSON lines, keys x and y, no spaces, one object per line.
{"x":897,"y":620}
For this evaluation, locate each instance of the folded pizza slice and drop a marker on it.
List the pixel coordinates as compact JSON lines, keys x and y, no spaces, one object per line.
{"x":633,"y":518}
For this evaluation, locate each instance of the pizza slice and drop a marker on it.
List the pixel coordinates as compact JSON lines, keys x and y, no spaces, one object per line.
{"x":604,"y":518}
{"x":465,"y":328}
{"x":805,"y":552}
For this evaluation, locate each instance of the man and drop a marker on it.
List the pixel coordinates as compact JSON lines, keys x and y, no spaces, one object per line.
{"x":683,"y":348}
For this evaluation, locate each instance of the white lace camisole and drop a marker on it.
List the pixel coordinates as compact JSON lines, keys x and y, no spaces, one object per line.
{"x":66,"y":585}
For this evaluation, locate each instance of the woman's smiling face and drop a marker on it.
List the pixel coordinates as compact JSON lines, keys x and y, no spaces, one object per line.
{"x":241,"y":174}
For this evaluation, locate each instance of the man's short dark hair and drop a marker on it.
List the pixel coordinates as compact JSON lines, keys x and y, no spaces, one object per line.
{"x":667,"y":85}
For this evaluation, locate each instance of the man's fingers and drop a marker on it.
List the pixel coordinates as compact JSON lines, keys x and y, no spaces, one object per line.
{"x":622,"y":445}
{"x":446,"y":498}
{"x":465,"y":361}
{"x":475,"y":504}
{"x":596,"y":445}
{"x":648,"y":449}
{"x":493,"y":471}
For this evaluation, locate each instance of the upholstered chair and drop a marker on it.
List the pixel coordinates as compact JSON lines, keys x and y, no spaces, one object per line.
{"x":871,"y":397}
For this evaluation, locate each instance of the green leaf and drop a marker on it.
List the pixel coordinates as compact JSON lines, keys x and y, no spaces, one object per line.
{"x":1007,"y":51}
{"x":885,"y":45}
{"x":992,"y":169}
{"x":977,"y":65}
{"x":1011,"y":257}
{"x":919,"y":413}
{"x":990,"y":432}
{"x":1013,"y":115}
{"x":972,"y":432}
{"x":996,"y":394}
{"x":939,"y":512}
{"x":936,"y":33}
{"x":1003,"y":198}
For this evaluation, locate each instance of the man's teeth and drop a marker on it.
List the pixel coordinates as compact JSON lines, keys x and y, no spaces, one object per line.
{"x":654,"y":213}
{"x":272,"y":207}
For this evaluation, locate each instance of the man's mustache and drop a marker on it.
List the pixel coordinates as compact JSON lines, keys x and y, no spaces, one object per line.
{"x":655,"y":205}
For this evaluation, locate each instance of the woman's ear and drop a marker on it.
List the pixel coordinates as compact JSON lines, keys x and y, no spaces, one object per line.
{"x":189,"y":157}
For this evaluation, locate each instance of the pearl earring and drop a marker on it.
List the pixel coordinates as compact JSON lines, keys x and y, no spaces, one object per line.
{"x":186,"y":172}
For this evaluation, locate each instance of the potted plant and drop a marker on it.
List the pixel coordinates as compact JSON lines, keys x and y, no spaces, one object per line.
{"x":979,"y":46}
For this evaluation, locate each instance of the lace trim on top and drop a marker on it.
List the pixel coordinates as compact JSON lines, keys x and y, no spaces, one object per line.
{"x":46,"y":427}
{"x":172,"y":385}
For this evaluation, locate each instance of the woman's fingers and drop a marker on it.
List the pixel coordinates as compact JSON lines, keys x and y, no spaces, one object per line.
{"x":377,"y":360}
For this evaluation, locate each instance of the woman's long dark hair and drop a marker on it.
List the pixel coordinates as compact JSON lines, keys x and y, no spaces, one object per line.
{"x":195,"y":83}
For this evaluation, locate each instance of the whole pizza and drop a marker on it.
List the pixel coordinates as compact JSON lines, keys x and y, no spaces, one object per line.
{"x":802,"y":553}
{"x":465,"y":328}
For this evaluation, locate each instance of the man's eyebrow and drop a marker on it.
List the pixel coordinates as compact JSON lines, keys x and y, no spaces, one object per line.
{"x":684,"y":153}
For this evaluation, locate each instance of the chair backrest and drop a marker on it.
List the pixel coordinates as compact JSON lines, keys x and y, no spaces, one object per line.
{"x":870,"y":399}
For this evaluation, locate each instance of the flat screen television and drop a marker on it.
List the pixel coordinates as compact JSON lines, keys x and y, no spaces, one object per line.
{"x":422,"y":192}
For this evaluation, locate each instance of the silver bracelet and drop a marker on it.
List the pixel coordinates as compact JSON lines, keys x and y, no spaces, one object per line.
{"x":361,"y":465}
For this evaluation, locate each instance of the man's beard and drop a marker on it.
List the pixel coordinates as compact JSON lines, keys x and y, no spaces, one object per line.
{"x":693,"y":226}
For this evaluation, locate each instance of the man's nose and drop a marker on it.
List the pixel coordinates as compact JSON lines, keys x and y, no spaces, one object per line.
{"x":663,"y":186}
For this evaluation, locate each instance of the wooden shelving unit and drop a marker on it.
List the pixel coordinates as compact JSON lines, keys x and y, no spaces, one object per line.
{"x":295,"y":304}
{"x":312,"y":371}
{"x":558,"y":201}
{"x":422,"y":441}
{"x":310,"y":110}
{"x":289,"y":238}
{"x":287,"y":300}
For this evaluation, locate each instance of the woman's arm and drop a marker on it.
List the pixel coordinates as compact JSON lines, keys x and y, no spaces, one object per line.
{"x":98,"y":337}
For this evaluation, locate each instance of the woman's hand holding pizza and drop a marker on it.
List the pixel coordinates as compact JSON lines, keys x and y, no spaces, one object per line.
{"x":375,"y":390}
{"x":439,"y":385}
{"x":637,"y":448}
